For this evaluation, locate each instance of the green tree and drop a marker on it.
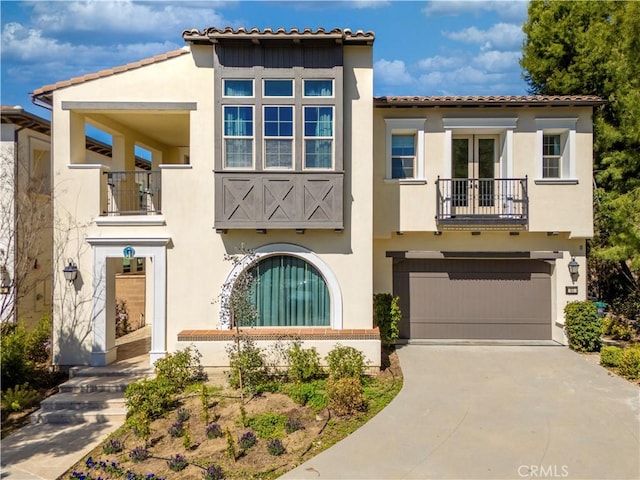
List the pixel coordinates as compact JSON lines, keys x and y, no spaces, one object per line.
{"x":578,"y":48}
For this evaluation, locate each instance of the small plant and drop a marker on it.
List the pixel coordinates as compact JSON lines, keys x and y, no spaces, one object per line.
{"x":214,"y":431}
{"x":268,"y":425}
{"x":345,"y":362}
{"x":177,"y":463}
{"x":151,"y":397}
{"x":293,"y":425}
{"x":176,"y":430}
{"x":139,"y":454}
{"x":183,"y":414}
{"x":304,"y":364}
{"x":243,"y":416}
{"x":204,"y":400}
{"x":247,"y":440}
{"x":122,"y":318}
{"x":630,"y":363}
{"x":247,"y":362}
{"x":213,"y":472}
{"x":621,"y":329}
{"x":275,"y":447}
{"x":181,"y":368}
{"x":231,"y":451}
{"x":583,"y":326}
{"x":186,"y":438}
{"x":346,"y":395}
{"x":387,"y":315}
{"x":19,"y":397}
{"x":310,"y":394}
{"x":140,"y":423}
{"x":610,"y":356}
{"x":113,"y":446}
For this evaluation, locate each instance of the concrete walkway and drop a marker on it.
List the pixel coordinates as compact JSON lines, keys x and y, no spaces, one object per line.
{"x":494,"y":412}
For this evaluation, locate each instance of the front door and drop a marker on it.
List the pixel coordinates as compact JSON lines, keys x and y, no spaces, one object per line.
{"x":474,"y":162}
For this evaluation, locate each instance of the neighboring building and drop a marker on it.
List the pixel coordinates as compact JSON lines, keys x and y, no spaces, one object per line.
{"x":468,"y":208}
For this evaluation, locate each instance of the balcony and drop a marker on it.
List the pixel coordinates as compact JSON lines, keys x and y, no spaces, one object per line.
{"x":133,"y":193}
{"x":482,"y":202}
{"x":278,"y":200}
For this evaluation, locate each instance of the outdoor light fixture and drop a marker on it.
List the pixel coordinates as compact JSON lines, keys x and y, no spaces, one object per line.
{"x":574,"y":267}
{"x":70,"y":271}
{"x":5,"y":281}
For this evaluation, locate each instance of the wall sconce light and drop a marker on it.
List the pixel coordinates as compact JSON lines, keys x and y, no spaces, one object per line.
{"x":70,"y":271}
{"x":5,"y":281}
{"x":574,"y":268}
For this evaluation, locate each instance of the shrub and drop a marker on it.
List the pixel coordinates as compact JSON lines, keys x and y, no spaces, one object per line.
{"x":275,"y":447}
{"x":231,"y":451}
{"x":122,"y":318}
{"x":19,"y":397}
{"x":213,"y":472}
{"x":268,"y":425}
{"x":607,"y":324}
{"x":183,"y":414}
{"x":177,"y":463}
{"x":346,"y":395}
{"x":610,"y":356}
{"x":14,"y":365}
{"x":345,"y":362}
{"x":583,"y":326}
{"x":247,"y":440}
{"x":113,"y":446}
{"x":139,"y":454}
{"x":176,"y":430}
{"x":293,"y":425}
{"x":386,"y":316}
{"x":621,"y":329}
{"x":38,"y":341}
{"x":310,"y":394}
{"x":629,"y":306}
{"x":630,"y":363}
{"x":214,"y":431}
{"x":181,"y":368}
{"x":246,"y":360}
{"x":304,"y":364}
{"x":150,"y":397}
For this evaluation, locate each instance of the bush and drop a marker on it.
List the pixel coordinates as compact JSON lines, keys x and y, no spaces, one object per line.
{"x":248,"y":362}
{"x":304,"y":364}
{"x":293,"y":425}
{"x":15,"y":367}
{"x":122,"y":318}
{"x":176,"y":430}
{"x":19,"y":397}
{"x":275,"y":447}
{"x":621,"y":329}
{"x":386,"y":316}
{"x":214,"y":431}
{"x":610,"y":356}
{"x":268,"y":425}
{"x":630,"y":363}
{"x":139,"y":454}
{"x":177,"y":463}
{"x":213,"y":472}
{"x":149,"y":397}
{"x":629,"y":306}
{"x":607,"y":324}
{"x":345,"y":362}
{"x":113,"y":446}
{"x":182,"y":368}
{"x":310,"y":394}
{"x":583,"y":326}
{"x":346,"y":395}
{"x":247,"y":440}
{"x":183,"y":414}
{"x":38,"y":341}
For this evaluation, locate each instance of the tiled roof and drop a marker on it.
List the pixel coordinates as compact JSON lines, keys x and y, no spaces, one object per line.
{"x":214,"y":34}
{"x":489,"y":100}
{"x":108,"y":72}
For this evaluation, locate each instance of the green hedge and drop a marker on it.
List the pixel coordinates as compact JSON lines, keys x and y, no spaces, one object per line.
{"x":583,"y":326}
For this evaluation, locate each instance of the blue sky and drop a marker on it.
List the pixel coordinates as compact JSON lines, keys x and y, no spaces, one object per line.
{"x":421,"y":48}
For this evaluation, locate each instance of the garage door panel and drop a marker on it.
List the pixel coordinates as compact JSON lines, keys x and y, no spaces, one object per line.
{"x":479,"y":331}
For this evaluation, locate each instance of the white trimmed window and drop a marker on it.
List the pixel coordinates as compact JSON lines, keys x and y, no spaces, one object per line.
{"x":318,"y":88}
{"x":555,"y":147}
{"x":405,"y":149}
{"x":318,"y":137}
{"x":238,"y":136}
{"x":238,"y":88}
{"x":278,"y":136}
{"x":278,"y":88}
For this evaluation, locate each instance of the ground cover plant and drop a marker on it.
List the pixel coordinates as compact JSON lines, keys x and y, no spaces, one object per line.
{"x":625,"y":361}
{"x":250,"y":436}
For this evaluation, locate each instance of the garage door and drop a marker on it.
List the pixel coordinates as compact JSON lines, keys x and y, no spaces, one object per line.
{"x":474,"y":299}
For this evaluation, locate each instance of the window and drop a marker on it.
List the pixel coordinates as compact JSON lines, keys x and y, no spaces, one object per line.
{"x":278,"y":88}
{"x":238,"y":88}
{"x":318,"y":88}
{"x":551,"y":156}
{"x":318,"y":133}
{"x":403,"y":156}
{"x":289,"y":292}
{"x":405,"y":149}
{"x":238,"y":136}
{"x":278,"y":136}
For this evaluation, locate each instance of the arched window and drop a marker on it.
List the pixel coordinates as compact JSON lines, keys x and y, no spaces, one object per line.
{"x":289,"y":292}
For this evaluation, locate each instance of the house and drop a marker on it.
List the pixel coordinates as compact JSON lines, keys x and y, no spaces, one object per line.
{"x":470,"y":209}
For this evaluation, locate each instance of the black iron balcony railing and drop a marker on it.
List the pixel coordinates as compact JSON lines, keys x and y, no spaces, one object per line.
{"x":482,"y":201}
{"x":133,"y":193}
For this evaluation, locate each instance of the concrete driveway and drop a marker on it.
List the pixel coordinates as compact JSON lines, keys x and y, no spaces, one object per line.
{"x":494,"y":412}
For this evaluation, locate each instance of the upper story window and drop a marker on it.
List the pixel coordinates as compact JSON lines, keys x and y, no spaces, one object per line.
{"x":405,"y":149}
{"x":278,"y":88}
{"x":238,"y":136}
{"x":556,"y":150}
{"x":318,"y":88}
{"x":238,"y":88}
{"x":278,"y":136}
{"x":318,"y":137}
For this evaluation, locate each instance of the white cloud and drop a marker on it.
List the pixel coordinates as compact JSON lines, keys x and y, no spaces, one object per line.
{"x":495,"y":61}
{"x":515,"y":10}
{"x":369,"y":3}
{"x":500,"y":35}
{"x":392,"y":72}
{"x":439,"y":62}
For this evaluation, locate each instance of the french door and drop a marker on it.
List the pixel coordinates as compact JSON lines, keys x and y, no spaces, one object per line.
{"x":474,"y":163}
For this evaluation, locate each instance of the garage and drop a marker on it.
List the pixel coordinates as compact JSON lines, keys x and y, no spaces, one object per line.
{"x":468,"y":298}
